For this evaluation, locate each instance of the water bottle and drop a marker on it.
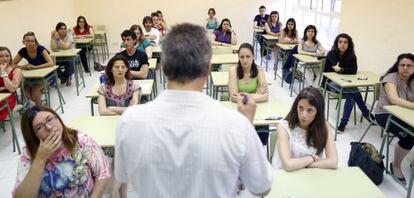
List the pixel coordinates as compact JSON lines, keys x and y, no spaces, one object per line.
{"x":102,"y":78}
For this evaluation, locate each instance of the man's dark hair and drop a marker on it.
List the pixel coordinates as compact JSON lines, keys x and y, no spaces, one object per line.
{"x":186,"y":53}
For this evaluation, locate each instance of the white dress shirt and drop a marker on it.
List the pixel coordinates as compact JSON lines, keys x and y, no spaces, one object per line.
{"x":185,"y":144}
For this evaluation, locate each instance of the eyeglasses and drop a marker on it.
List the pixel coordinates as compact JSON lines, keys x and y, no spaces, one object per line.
{"x":42,"y":126}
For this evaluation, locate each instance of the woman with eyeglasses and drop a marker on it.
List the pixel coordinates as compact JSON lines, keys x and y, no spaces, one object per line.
{"x":37,"y":57}
{"x":397,"y":88}
{"x":62,"y":40}
{"x":82,"y":30}
{"x":58,"y":161}
{"x":9,"y":81}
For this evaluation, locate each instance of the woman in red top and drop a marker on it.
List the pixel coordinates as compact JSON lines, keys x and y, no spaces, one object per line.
{"x":10,"y":79}
{"x":82,"y":30}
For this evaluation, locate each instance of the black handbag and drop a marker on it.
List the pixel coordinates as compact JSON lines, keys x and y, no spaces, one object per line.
{"x":366,"y":157}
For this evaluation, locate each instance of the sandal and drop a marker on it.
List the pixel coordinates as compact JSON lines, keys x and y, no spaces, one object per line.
{"x":399,"y":179}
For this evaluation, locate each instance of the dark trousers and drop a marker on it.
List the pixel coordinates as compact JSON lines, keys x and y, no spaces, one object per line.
{"x":406,"y":141}
{"x":65,"y":70}
{"x":84,"y":58}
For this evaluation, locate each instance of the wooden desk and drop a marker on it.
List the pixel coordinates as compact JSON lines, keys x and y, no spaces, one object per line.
{"x":102,"y":41}
{"x":264,"y":110}
{"x":5,"y":105}
{"x":86,"y":43}
{"x":146,"y":89}
{"x":256,"y":35}
{"x":42,"y":74}
{"x":361,"y":79}
{"x":157,"y":49}
{"x":73,"y":56}
{"x":406,"y":115}
{"x":307,"y":62}
{"x":269,"y":41}
{"x":101,"y":128}
{"x":284,"y":49}
{"x":218,"y":59}
{"x":233,"y":48}
{"x":319,"y":183}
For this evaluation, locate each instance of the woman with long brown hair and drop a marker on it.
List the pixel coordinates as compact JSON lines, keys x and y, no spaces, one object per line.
{"x":304,"y":137}
{"x":58,"y":161}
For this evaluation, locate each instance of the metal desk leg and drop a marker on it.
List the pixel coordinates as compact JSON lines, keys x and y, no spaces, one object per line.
{"x":339,"y":111}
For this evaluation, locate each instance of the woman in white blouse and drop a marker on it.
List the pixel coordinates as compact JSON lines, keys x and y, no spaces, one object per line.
{"x":304,"y":137}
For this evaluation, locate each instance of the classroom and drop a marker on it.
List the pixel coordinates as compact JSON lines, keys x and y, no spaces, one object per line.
{"x":88,"y":100}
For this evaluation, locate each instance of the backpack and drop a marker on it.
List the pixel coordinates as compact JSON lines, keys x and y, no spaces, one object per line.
{"x":366,"y":157}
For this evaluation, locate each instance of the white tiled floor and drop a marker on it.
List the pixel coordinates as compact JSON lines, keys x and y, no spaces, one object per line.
{"x":79,"y":105}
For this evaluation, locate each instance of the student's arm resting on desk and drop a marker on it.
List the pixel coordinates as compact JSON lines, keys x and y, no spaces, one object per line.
{"x":142,"y":73}
{"x":103,"y":109}
{"x":30,"y":184}
{"x":392,"y":94}
{"x":233,"y":38}
{"x":331,"y":160}
{"x":262,"y":93}
{"x":289,"y":163}
{"x":13,"y":84}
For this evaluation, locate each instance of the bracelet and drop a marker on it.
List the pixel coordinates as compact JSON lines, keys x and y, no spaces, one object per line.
{"x":313,"y":158}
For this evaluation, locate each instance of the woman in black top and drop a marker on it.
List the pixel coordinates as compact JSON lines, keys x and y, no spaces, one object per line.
{"x":342,"y":59}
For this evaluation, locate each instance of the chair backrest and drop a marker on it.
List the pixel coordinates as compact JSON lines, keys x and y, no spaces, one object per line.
{"x":99,"y":27}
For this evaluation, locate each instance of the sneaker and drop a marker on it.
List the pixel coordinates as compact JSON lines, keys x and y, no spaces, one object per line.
{"x":370,"y":117}
{"x":341,"y":127}
{"x":69,"y":82}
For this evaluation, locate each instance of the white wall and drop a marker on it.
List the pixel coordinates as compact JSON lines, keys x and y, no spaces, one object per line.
{"x":381,"y":31}
{"x":21,"y":16}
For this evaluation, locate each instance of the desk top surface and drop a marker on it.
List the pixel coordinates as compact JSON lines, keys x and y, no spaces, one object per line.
{"x":360,"y":79}
{"x":306,"y":59}
{"x":66,"y":53}
{"x":152,"y":63}
{"x":402,"y":113}
{"x":270,"y":37}
{"x":38,"y":73}
{"x":224,"y":58}
{"x":285,"y":46}
{"x":4,"y":96}
{"x":272,"y":108}
{"x":146,"y":88}
{"x":318,"y":183}
{"x":101,"y":128}
{"x":83,"y":40}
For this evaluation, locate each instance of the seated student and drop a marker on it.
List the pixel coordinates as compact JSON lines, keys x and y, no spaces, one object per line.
{"x":162,"y":22}
{"x":260,"y":19}
{"x":289,"y":34}
{"x":151,"y":33}
{"x":58,"y":161}
{"x":119,"y":92}
{"x":115,"y":96}
{"x":224,"y":35}
{"x":62,"y":40}
{"x":304,"y":137}
{"x":342,"y":59}
{"x":143,"y":44}
{"x":273,"y":27}
{"x":81,"y":30}
{"x":37,"y":57}
{"x":10,"y":80}
{"x":137,"y":60}
{"x":309,"y":45}
{"x":397,"y":89}
{"x":211,"y":22}
{"x":156,"y":24}
{"x":248,"y":78}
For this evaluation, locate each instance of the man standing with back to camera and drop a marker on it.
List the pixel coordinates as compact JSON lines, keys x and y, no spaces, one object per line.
{"x":184,"y":143}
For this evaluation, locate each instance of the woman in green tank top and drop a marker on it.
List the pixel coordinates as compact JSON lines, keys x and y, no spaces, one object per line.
{"x":247,"y":77}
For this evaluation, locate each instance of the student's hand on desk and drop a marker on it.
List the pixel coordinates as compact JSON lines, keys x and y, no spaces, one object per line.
{"x":336,"y":68}
{"x":246,"y":105}
{"x":29,"y":67}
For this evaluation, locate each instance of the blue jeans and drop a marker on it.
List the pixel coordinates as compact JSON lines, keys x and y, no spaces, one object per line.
{"x":351,"y":96}
{"x":68,"y":71}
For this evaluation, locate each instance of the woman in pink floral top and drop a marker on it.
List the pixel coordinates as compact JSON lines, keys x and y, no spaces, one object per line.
{"x":58,"y":161}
